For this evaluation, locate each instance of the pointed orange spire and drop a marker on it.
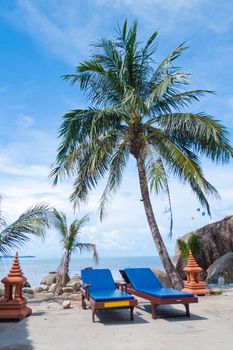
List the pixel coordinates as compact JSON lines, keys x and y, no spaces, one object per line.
{"x":194,"y":283}
{"x":13,"y":305}
{"x":15,"y":268}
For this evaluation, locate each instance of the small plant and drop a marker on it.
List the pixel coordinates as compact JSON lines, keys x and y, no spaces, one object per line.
{"x":193,"y":244}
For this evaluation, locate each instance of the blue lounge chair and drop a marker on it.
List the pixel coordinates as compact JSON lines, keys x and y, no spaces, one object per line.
{"x":100,"y":290}
{"x":143,"y":283}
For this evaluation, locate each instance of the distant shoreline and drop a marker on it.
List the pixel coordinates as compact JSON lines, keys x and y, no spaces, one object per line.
{"x":21,"y":256}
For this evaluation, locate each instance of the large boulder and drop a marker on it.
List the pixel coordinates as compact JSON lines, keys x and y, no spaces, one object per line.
{"x":49,"y":279}
{"x":222,"y":267}
{"x":41,"y":288}
{"x":217,"y":240}
{"x":163,"y":278}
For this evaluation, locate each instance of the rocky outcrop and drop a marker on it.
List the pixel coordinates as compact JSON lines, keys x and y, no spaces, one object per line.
{"x":222,"y":267}
{"x":49,"y":279}
{"x":48,"y":285}
{"x":217,"y":240}
{"x":163,"y":278}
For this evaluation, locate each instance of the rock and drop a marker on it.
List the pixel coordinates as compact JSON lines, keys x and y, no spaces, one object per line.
{"x":222,"y":267}
{"x":1,"y":289}
{"x":163,"y":278}
{"x":75,"y":283}
{"x":27,"y":284}
{"x":41,"y":288}
{"x":66,"y":304}
{"x":28,"y":290}
{"x":217,"y":240}
{"x":52,"y":287}
{"x":67,"y":289}
{"x":75,"y":278}
{"x":49,"y":279}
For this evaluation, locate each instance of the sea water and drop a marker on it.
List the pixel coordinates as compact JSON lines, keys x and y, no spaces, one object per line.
{"x":35,"y":269}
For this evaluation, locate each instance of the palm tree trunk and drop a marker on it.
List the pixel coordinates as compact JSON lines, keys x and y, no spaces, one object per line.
{"x":63,"y":273}
{"x":161,"y":248}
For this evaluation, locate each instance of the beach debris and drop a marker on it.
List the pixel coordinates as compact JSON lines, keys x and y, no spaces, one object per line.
{"x":194,"y":283}
{"x":13,"y":304}
{"x":66,"y":304}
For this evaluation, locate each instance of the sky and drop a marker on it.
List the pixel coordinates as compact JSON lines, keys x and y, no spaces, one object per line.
{"x":42,"y":40}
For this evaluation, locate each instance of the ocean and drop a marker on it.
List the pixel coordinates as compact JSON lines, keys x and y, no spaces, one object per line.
{"x":35,"y":269}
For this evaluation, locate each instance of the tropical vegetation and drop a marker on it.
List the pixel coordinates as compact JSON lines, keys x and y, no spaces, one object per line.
{"x":32,"y":223}
{"x":70,"y":243}
{"x":193,"y":244}
{"x":139,"y":109}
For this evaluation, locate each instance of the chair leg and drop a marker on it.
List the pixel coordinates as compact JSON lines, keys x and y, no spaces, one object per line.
{"x":131,"y":313}
{"x":93,"y":315}
{"x":84,"y":305}
{"x":153,"y":309}
{"x":187,"y":310}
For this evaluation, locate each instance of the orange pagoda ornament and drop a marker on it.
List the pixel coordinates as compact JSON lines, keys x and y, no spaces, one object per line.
{"x":194,"y":283}
{"x":13,"y":304}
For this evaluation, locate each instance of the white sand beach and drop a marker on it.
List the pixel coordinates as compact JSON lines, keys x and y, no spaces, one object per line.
{"x":50,"y":327}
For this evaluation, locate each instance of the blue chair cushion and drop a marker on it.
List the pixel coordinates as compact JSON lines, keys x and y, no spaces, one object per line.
{"x":110,"y":295}
{"x":142,"y":278}
{"x":99,"y":279}
{"x":164,"y":293}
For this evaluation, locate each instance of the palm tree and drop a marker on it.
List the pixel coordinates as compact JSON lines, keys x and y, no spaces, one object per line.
{"x":34,"y":222}
{"x":70,"y":244}
{"x":193,"y":244}
{"x":137,"y":111}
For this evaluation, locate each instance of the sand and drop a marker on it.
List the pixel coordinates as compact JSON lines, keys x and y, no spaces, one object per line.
{"x":50,"y":327}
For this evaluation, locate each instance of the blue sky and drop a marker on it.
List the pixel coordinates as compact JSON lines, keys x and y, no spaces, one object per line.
{"x":42,"y":40}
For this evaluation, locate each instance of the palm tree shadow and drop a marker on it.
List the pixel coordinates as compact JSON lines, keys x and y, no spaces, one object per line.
{"x":15,"y":335}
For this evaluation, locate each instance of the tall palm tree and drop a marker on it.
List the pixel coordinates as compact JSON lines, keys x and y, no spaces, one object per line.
{"x":70,"y":244}
{"x":34,"y":222}
{"x":137,"y":111}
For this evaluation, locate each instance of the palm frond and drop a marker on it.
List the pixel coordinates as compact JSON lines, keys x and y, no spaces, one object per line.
{"x":158,"y":180}
{"x":183,"y":248}
{"x":194,"y":243}
{"x":117,"y":166}
{"x":33,"y":222}
{"x":199,"y":131}
{"x":89,"y":248}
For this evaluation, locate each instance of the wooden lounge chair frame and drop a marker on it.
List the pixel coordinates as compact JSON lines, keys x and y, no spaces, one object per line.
{"x":103,"y":305}
{"x":155,"y":302}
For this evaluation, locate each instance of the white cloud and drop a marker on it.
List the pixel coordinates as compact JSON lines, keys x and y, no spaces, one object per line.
{"x":56,"y":26}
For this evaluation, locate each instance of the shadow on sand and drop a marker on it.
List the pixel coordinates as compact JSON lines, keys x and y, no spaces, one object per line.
{"x":118,"y":317}
{"x":170,"y":313}
{"x":15,"y":335}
